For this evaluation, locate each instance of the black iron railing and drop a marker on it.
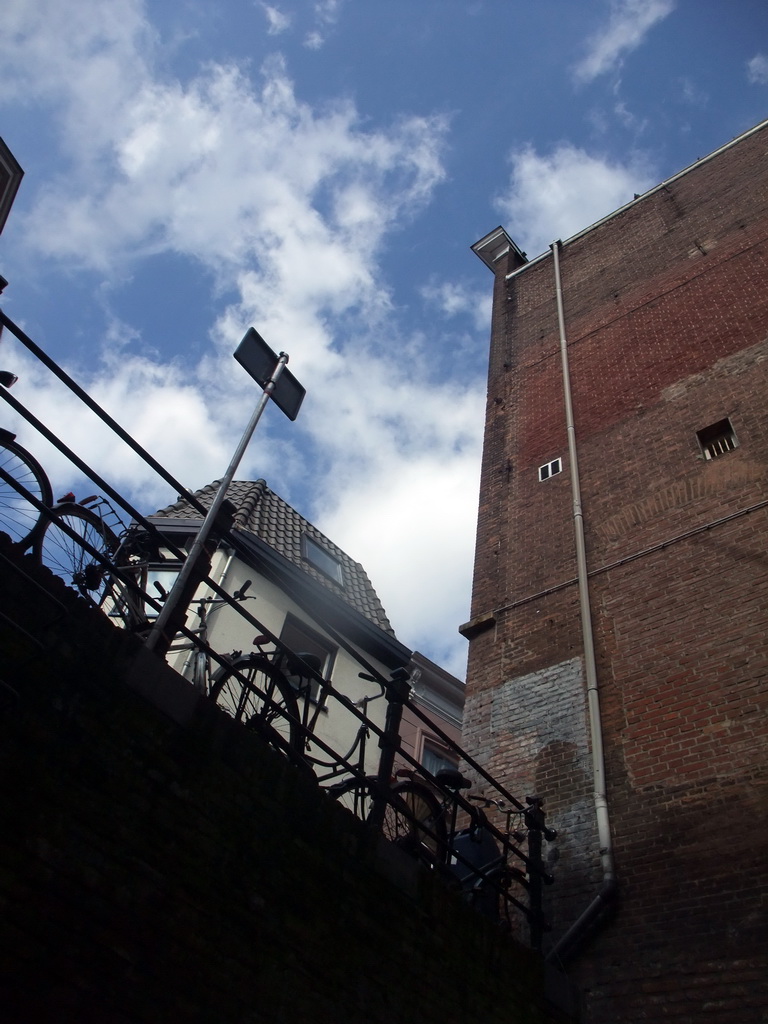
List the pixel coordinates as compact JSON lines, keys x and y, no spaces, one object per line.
{"x":483,"y":841}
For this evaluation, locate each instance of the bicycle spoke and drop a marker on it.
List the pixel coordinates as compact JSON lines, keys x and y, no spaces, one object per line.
{"x":68,"y":556}
{"x":420,"y":818}
{"x":413,"y":818}
{"x":252,"y":691}
{"x":19,"y":518}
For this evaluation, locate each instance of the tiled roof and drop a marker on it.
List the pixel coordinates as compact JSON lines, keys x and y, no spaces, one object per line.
{"x":262,"y":512}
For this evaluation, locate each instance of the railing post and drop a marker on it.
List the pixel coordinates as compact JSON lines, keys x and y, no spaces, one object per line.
{"x":534,"y":817}
{"x":398,"y":690}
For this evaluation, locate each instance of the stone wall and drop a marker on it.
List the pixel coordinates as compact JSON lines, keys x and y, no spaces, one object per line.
{"x":160,"y":863}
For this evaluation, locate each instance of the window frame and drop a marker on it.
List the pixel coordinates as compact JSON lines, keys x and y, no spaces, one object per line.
{"x":323,"y":558}
{"x":309,"y":638}
{"x":550,"y":470}
{"x":430,"y":745}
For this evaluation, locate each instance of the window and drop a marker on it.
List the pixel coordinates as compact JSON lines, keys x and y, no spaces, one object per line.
{"x":323,"y":560}
{"x":717,"y":439}
{"x":434,"y":757}
{"x":160,"y":581}
{"x":161,"y":574}
{"x":303,"y":640}
{"x":550,"y":469}
{"x":124,"y":603}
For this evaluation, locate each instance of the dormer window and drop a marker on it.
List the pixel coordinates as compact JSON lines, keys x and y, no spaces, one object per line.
{"x":321,"y":559}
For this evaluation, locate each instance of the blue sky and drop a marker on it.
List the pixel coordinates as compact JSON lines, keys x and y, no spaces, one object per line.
{"x":319,"y":169}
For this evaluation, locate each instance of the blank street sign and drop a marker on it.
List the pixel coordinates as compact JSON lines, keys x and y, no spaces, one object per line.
{"x":10,"y":179}
{"x":258,"y":359}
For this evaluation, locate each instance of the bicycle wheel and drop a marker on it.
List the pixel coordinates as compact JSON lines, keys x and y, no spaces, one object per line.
{"x":67,"y":556}
{"x":411,"y":810}
{"x":423,"y":808}
{"x":19,"y":517}
{"x":253,"y":691}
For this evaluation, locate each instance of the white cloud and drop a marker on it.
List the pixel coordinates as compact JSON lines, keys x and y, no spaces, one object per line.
{"x":691,"y":94}
{"x":85,"y":58}
{"x":291,"y":206}
{"x":453,"y":298}
{"x":277,"y":22}
{"x":418,"y":527}
{"x":328,"y":10}
{"x":558,"y":195}
{"x":628,"y":24}
{"x":757,"y":69}
{"x":314,"y":40}
{"x":173,"y":147}
{"x":326,"y":14}
{"x":628,"y":119}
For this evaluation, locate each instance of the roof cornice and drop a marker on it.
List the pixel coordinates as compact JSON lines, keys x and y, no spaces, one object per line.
{"x":639,"y":199}
{"x":325,"y":607}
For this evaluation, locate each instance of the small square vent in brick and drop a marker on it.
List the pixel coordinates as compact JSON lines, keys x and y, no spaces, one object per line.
{"x":550,"y":469}
{"x":717,"y":439}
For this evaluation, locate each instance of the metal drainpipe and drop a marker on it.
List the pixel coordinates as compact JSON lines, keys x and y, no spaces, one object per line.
{"x":593,"y":702}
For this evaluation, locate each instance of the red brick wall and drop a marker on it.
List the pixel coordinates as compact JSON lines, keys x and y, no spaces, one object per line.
{"x":666,"y":311}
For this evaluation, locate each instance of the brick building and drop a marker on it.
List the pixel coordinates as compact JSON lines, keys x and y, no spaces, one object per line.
{"x":619,"y":630}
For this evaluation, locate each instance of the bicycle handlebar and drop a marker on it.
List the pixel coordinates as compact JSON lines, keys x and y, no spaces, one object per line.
{"x":370,"y":679}
{"x":487,"y":801}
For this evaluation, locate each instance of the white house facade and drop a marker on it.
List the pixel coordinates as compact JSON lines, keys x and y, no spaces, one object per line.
{"x":316,"y":600}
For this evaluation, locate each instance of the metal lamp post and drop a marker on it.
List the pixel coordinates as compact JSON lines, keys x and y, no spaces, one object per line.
{"x":279,"y":384}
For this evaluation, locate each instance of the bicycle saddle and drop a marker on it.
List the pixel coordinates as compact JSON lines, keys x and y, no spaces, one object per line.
{"x":452,"y":778}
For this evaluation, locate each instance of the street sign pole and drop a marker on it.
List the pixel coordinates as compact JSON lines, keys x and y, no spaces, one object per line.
{"x":197,"y":547}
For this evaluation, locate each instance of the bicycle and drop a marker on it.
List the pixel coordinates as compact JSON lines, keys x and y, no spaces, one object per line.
{"x":82,"y":542}
{"x":75,"y":539}
{"x":86,"y":544}
{"x":405,"y":809}
{"x":72,"y":532}
{"x":20,"y":518}
{"x":285,"y":679}
{"x":282,"y":694}
{"x":253,"y":691}
{"x":476,"y":857}
{"x":250,"y":688}
{"x":67,"y":537}
{"x":272,"y":689}
{"x":198,"y":666}
{"x":394,"y":808}
{"x":479,"y":866}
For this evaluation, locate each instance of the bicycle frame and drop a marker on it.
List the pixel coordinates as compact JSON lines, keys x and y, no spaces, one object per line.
{"x":340,"y":767}
{"x":199,"y":657}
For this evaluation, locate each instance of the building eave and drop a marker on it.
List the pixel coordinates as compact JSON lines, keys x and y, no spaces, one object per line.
{"x":319,"y":602}
{"x":640,"y":198}
{"x":493,"y":246}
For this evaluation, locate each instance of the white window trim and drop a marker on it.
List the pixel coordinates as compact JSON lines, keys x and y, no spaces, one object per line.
{"x":550,"y":469}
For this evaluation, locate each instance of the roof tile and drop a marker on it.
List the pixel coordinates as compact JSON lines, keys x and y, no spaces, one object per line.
{"x":262,"y":512}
